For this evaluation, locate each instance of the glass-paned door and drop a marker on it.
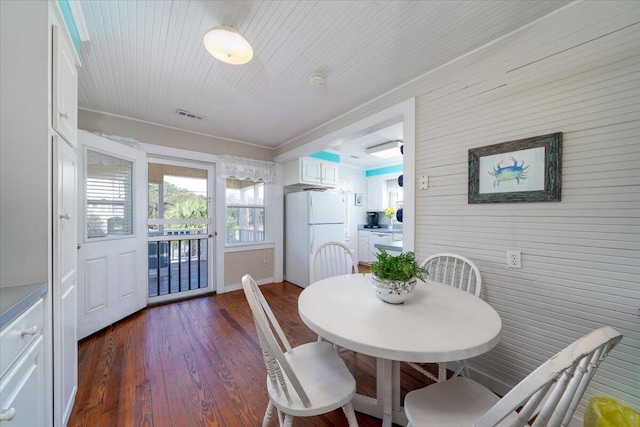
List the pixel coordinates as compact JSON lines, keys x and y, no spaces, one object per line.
{"x":179,"y":235}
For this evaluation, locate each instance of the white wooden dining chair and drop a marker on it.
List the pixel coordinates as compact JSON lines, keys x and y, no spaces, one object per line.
{"x":304,"y":381}
{"x":550,"y":394}
{"x":459,"y":272}
{"x":332,"y":259}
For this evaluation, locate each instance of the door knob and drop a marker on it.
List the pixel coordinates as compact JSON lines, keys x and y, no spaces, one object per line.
{"x":8,"y":415}
{"x":29,"y":331}
{"x":65,"y":216}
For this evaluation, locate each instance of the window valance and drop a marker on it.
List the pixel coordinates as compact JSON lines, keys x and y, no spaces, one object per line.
{"x":242,"y":168}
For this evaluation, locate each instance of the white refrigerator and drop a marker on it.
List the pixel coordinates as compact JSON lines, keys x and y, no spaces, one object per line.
{"x":311,"y":219}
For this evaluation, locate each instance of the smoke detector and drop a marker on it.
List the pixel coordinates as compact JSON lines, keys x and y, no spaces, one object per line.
{"x":316,"y":79}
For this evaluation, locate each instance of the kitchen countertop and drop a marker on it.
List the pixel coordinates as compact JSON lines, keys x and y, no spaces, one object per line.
{"x":15,"y":300}
{"x":382,"y":229}
{"x":393,"y":246}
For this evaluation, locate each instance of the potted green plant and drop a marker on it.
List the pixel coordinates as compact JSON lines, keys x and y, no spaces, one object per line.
{"x":395,"y":277}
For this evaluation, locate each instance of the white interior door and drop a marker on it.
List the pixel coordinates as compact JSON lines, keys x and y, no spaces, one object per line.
{"x":65,"y":289}
{"x":112,"y":258}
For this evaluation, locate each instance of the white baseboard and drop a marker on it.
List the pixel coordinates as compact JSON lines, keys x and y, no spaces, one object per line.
{"x":238,"y":286}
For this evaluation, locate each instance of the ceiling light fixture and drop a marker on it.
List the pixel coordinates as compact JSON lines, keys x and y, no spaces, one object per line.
{"x":228,"y":45}
{"x":385,"y":150}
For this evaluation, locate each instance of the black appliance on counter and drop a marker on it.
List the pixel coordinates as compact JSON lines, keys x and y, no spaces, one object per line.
{"x":372,"y":220}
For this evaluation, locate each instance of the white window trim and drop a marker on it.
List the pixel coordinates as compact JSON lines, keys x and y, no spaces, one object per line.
{"x":238,"y":247}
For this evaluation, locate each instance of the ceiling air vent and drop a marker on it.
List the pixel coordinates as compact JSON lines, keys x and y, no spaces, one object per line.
{"x":189,"y":114}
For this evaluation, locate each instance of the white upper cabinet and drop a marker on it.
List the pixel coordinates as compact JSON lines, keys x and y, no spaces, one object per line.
{"x":383,"y":191}
{"x":376,"y":191}
{"x":65,"y":89}
{"x":311,"y":172}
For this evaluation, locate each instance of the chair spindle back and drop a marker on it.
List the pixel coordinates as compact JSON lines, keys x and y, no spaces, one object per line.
{"x":278,"y":368}
{"x":553,"y":391}
{"x":332,"y":259}
{"x":454,"y":270}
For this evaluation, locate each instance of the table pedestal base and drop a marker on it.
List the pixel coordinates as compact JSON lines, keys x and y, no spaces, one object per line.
{"x":386,"y":405}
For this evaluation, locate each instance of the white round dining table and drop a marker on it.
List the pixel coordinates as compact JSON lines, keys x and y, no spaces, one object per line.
{"x":438,"y":323}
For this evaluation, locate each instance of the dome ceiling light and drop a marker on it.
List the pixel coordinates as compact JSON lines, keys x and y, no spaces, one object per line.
{"x":228,"y":45}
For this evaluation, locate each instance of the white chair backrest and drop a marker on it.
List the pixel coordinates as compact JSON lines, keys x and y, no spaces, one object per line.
{"x":278,"y":368}
{"x":454,"y":270}
{"x":332,"y":259}
{"x":554,"y":390}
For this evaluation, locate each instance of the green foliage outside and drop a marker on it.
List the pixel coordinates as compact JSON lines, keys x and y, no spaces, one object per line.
{"x":178,"y":203}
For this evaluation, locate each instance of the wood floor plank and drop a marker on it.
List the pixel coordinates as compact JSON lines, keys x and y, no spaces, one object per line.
{"x":198,"y":363}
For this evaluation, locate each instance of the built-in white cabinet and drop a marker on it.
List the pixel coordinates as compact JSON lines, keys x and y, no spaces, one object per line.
{"x":377,"y":199}
{"x":65,"y":289}
{"x":367,"y":239}
{"x":363,"y":246}
{"x":64,"y":117}
{"x":377,"y":238}
{"x":309,"y":172}
{"x":22,"y":370}
{"x":38,"y":211}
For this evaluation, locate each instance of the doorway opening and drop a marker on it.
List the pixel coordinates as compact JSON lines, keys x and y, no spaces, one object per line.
{"x":180,"y":218}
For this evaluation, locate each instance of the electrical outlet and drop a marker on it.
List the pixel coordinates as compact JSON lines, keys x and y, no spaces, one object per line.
{"x":513,"y":259}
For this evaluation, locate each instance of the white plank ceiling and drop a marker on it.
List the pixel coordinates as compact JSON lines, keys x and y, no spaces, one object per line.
{"x":145,"y":59}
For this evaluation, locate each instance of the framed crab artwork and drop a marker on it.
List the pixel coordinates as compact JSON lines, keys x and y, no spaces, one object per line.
{"x":526,"y":170}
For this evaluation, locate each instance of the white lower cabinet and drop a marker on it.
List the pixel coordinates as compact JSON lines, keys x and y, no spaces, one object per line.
{"x":363,"y":246}
{"x":377,"y":238}
{"x":22,"y":386}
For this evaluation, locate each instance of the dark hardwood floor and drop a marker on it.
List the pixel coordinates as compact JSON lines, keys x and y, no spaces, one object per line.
{"x":196,"y":363}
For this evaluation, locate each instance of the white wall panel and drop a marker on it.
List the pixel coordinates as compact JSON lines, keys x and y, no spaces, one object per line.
{"x":578,"y":73}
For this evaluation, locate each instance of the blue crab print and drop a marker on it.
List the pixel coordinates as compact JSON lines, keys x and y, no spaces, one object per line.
{"x":508,"y":173}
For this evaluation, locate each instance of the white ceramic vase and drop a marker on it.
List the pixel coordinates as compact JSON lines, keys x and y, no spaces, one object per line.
{"x":393,"y":292}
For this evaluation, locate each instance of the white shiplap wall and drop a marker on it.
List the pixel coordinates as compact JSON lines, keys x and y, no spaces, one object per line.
{"x":576,"y":72}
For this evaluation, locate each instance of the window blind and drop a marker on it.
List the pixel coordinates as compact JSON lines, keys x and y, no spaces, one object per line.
{"x":108,"y":196}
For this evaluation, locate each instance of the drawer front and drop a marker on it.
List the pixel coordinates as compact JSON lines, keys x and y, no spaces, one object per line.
{"x":19,"y":334}
{"x":22,"y":390}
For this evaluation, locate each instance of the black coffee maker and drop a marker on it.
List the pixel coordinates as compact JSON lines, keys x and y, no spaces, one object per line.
{"x":372,"y":220}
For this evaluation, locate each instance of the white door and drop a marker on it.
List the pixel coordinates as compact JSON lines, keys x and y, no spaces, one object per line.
{"x":112,"y":258}
{"x":180,"y":236}
{"x":65,"y":289}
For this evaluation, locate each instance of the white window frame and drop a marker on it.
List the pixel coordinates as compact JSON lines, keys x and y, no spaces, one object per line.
{"x":242,"y":246}
{"x":134,"y":202}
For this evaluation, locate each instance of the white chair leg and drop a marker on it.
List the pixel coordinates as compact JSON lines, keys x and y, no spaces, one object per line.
{"x":319,"y":338}
{"x":288,"y":421}
{"x":442,"y":372}
{"x":465,"y":369}
{"x":350,"y":414}
{"x":268,"y":414}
